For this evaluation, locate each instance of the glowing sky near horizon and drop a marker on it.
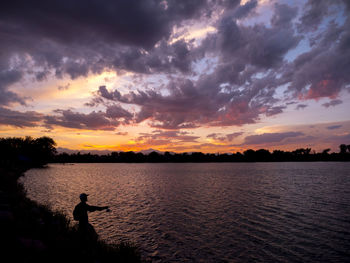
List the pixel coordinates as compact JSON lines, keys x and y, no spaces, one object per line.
{"x":210,"y":76}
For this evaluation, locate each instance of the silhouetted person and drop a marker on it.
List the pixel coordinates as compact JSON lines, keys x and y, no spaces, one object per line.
{"x":80,"y":214}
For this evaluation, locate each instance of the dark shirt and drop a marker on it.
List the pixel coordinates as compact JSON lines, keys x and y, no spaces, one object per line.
{"x":81,"y":210}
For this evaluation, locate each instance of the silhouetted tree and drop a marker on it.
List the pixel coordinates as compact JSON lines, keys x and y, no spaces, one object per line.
{"x":342,"y":148}
{"x":26,"y":152}
{"x":326,"y":151}
{"x":154,"y":157}
{"x":262,"y":155}
{"x":249,"y":155}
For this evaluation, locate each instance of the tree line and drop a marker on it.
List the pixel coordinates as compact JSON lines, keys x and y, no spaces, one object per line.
{"x":26,"y":152}
{"x":32,"y":152}
{"x":261,"y":155}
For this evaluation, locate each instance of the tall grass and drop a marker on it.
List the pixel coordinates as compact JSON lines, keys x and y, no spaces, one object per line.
{"x":31,"y":232}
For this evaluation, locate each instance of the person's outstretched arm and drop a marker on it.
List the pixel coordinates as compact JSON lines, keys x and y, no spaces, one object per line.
{"x":92,"y":208}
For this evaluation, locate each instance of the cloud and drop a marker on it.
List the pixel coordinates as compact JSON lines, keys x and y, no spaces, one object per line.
{"x":243,"y":10}
{"x":243,"y":51}
{"x":315,"y":12}
{"x":323,"y":70}
{"x":332,"y":103}
{"x":64,"y":87}
{"x":92,"y":121}
{"x":116,"y":112}
{"x":333,"y":127}
{"x":121,"y":133}
{"x":301,"y":106}
{"x":339,"y":139}
{"x":88,"y":36}
{"x":171,"y":140}
{"x":20,"y":119}
{"x":231,"y":136}
{"x":224,"y":137}
{"x":58,"y":39}
{"x":167,"y":137}
{"x":188,"y":106}
{"x":257,"y":45}
{"x":270,"y":137}
{"x":128,"y":22}
{"x":7,"y":78}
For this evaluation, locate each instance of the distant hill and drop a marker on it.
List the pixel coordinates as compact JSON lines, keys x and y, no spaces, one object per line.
{"x":148,"y":151}
{"x":104,"y":152}
{"x":70,"y":151}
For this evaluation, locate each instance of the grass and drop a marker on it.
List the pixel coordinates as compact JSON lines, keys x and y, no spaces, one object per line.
{"x":31,"y":232}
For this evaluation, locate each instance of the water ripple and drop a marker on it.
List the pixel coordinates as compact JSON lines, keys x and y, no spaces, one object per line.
{"x":276,"y":212}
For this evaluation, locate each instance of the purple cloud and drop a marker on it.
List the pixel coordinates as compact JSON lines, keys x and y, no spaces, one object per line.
{"x":323,"y":70}
{"x":92,"y":121}
{"x":116,"y":112}
{"x":20,"y":119}
{"x":332,"y":103}
{"x":224,"y":137}
{"x":301,"y":106}
{"x":7,"y":78}
{"x":167,"y":137}
{"x":270,"y":137}
{"x":333,"y":127}
{"x":250,"y":59}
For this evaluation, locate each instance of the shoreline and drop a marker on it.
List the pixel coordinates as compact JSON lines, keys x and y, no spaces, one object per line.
{"x":34,"y":233}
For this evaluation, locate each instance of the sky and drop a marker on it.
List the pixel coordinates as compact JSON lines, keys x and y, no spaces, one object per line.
{"x":214,"y":76}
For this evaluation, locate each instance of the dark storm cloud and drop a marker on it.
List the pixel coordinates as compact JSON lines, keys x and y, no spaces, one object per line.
{"x":231,"y":95}
{"x":244,"y":10}
{"x":270,"y":137}
{"x":323,"y":71}
{"x":81,"y":37}
{"x":256,"y":45}
{"x":165,"y":58}
{"x":139,"y":23}
{"x":283,"y":15}
{"x":76,"y":38}
{"x":19,"y":119}
{"x":315,"y":12}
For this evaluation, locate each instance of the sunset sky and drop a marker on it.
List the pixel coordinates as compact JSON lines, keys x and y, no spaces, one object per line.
{"x":176,"y":75}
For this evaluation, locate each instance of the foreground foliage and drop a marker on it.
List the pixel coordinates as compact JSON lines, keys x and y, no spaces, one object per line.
{"x":33,"y":233}
{"x":261,"y":155}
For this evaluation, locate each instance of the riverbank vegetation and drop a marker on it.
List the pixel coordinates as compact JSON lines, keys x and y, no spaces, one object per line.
{"x":261,"y":155}
{"x":31,"y":232}
{"x":31,"y":152}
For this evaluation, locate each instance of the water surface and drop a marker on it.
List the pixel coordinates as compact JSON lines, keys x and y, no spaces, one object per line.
{"x":222,"y":212}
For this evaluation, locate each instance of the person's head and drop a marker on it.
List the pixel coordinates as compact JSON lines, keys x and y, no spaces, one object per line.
{"x":83,"y":197}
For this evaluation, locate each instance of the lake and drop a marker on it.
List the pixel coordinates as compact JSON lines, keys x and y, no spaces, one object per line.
{"x":210,"y":212}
